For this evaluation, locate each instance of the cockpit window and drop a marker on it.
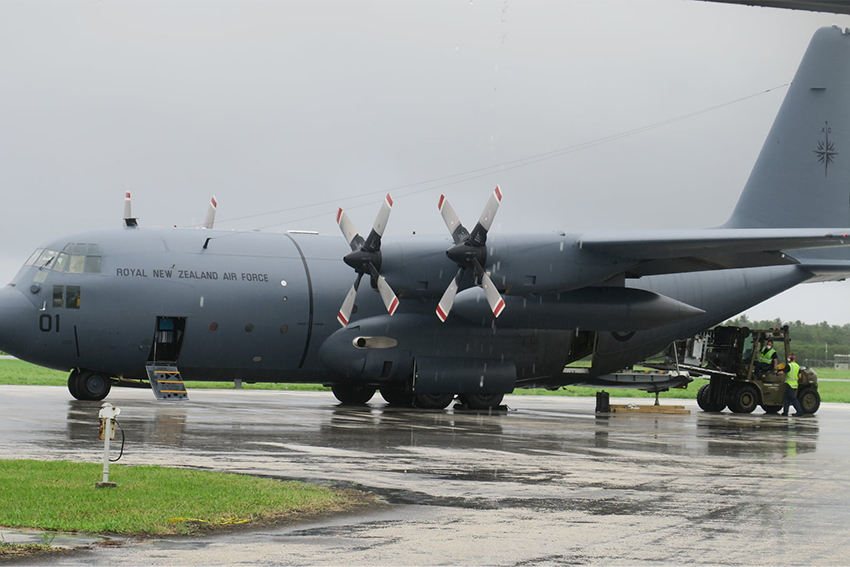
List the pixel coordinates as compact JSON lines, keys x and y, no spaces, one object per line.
{"x":75,"y":266}
{"x":32,"y":259}
{"x":61,"y":262}
{"x":46,"y":258}
{"x":72,"y":298}
{"x":76,"y":248}
{"x":92,"y":265}
{"x":76,"y":258}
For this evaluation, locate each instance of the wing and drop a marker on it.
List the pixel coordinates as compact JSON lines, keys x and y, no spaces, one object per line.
{"x":710,"y":249}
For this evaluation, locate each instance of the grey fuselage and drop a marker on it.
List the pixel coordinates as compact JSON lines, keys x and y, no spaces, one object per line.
{"x":262,"y":307}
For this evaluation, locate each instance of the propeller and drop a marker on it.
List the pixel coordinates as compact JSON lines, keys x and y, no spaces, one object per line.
{"x":470,"y":251}
{"x":365,"y":258}
{"x":129,"y":219}
{"x":209,"y":221}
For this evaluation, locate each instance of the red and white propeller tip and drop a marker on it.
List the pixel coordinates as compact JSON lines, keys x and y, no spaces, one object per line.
{"x":364,"y":255}
{"x":209,"y":221}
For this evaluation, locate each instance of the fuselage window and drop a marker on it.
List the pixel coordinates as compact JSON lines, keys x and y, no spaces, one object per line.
{"x":58,"y":296}
{"x":72,"y":298}
{"x":76,"y":248}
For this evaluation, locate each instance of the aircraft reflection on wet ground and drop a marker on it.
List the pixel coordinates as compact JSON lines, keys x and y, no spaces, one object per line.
{"x":546,"y":481}
{"x":378,"y":427}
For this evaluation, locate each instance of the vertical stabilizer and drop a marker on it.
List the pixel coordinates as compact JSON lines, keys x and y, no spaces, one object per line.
{"x":802,"y":175}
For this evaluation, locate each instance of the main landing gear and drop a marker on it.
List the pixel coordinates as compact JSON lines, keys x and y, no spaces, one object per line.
{"x":398,"y":397}
{"x":88,"y":385}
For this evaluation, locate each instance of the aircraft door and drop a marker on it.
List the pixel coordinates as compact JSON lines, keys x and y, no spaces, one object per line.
{"x":168,"y":338}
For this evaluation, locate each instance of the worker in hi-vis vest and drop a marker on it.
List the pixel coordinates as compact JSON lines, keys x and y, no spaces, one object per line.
{"x":792,"y":372}
{"x":766,"y":358}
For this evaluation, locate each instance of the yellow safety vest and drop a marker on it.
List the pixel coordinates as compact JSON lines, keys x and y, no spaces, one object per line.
{"x":793,"y":373}
{"x":766,"y":356}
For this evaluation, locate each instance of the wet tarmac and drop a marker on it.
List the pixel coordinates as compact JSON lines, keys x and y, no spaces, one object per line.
{"x":546,"y":483}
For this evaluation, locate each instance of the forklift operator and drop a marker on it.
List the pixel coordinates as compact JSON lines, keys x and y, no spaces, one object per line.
{"x":766,"y":358}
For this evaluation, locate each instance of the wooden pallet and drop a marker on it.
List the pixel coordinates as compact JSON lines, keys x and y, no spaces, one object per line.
{"x":631,"y":408}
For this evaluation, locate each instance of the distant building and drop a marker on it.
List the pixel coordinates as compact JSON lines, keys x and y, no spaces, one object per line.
{"x":842,"y":361}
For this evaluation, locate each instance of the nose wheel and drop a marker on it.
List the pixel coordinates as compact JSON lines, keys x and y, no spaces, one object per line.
{"x":87,"y":385}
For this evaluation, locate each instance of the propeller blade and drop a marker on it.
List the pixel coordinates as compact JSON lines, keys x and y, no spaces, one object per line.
{"x":387,"y":294}
{"x":129,"y":220}
{"x":210,"y":220}
{"x":448,"y":299}
{"x":349,"y":231}
{"x":344,"y":315}
{"x":373,"y":241}
{"x":456,"y":228}
{"x":128,"y":206}
{"x":497,"y":304}
{"x":479,"y":233}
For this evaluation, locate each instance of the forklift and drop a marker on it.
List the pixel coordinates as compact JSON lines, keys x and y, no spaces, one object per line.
{"x":736,"y":381}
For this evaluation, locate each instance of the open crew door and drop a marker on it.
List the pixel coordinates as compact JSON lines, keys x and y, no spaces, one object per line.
{"x":167,"y":340}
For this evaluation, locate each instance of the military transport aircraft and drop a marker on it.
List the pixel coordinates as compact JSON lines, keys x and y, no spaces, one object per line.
{"x":473,"y":315}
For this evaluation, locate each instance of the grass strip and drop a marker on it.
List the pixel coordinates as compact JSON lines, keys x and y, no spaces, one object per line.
{"x":150,"y":500}
{"x":18,"y":372}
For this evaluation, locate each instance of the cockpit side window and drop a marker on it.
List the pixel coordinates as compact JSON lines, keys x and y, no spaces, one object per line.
{"x":72,"y":297}
{"x":32,"y":259}
{"x":92,"y":265}
{"x":58,"y":296}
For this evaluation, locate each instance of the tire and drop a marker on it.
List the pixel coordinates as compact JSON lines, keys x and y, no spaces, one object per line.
{"x":433,"y":401}
{"x":481,"y":401}
{"x":92,"y":386}
{"x":397,"y":397}
{"x":744,"y":399}
{"x":704,"y":400}
{"x":352,"y":395}
{"x":771,"y":409}
{"x":72,"y":384}
{"x":809,"y":399}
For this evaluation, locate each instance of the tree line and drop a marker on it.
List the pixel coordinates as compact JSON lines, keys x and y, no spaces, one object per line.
{"x":812,"y":342}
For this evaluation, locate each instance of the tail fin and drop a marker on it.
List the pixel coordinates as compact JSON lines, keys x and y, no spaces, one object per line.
{"x":802,"y":176}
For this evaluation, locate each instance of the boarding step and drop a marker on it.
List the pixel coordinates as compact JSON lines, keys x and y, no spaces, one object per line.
{"x":166,"y":382}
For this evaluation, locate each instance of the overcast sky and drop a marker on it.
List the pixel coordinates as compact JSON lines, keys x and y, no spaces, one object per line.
{"x":301,"y":107}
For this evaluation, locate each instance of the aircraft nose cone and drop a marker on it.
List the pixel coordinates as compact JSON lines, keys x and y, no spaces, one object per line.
{"x":17,"y":322}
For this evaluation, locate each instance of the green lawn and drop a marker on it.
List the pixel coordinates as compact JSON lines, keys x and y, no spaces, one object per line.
{"x":22,"y":373}
{"x":61,"y":496}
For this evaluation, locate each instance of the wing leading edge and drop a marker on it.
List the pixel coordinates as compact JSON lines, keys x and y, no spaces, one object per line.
{"x":710,"y":249}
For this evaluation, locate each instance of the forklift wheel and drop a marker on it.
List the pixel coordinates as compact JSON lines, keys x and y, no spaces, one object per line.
{"x":743,"y":399}
{"x":809,"y":399}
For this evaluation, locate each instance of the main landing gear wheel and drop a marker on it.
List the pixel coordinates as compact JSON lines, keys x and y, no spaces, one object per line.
{"x":433,"y":401}
{"x":809,"y":400}
{"x":88,"y":385}
{"x":353,"y":395}
{"x":397,"y":397}
{"x":743,"y":399}
{"x":481,"y":401}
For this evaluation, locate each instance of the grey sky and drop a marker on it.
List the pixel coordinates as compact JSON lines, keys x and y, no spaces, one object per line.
{"x":278,"y":105}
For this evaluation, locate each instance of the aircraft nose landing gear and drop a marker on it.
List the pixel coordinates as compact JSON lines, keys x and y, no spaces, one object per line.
{"x":88,"y":385}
